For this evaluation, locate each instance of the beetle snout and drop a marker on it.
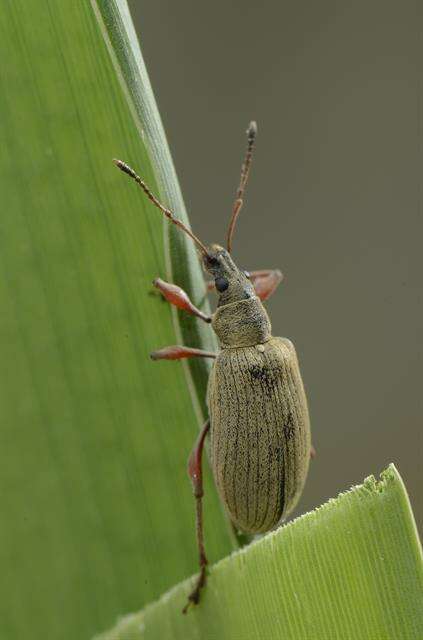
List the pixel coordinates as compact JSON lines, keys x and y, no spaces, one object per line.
{"x":213,"y":260}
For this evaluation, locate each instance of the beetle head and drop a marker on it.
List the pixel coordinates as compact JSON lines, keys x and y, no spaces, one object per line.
{"x":232,"y":284}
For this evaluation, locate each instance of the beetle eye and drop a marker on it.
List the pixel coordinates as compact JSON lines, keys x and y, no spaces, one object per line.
{"x":221,"y":284}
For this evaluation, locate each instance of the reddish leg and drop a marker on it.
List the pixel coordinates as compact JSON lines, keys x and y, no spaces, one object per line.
{"x":195,"y":472}
{"x":175,"y":352}
{"x":265,"y":282}
{"x":178,"y":297}
{"x":312,"y":452}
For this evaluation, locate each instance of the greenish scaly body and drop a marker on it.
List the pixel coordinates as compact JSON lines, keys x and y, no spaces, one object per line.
{"x":260,"y":428}
{"x":260,"y":434}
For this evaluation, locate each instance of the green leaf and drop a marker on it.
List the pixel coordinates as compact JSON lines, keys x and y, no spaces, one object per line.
{"x":97,"y":515}
{"x":352,"y":570}
{"x":182,"y":261}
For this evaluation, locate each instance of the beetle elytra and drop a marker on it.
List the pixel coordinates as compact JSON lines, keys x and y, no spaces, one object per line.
{"x":258,"y":415}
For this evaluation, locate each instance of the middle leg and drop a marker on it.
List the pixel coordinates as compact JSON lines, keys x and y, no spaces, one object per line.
{"x":176,"y":352}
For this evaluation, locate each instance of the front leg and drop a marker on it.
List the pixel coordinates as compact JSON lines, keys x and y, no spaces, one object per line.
{"x":178,"y":297}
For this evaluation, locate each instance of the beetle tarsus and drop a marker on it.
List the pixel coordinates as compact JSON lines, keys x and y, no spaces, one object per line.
{"x":194,"y":596}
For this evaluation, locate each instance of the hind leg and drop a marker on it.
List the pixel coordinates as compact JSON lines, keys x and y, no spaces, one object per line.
{"x":195,"y":472}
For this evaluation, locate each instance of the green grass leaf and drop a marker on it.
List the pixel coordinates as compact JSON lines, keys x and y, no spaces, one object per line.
{"x":97,"y":515}
{"x":352,"y":570}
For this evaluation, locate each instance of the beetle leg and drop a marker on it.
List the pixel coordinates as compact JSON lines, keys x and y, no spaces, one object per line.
{"x":195,"y":472}
{"x":175,"y":352}
{"x":178,"y":297}
{"x":265,"y":282}
{"x":312,"y":452}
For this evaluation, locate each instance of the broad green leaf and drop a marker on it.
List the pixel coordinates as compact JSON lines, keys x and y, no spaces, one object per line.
{"x":96,"y":510}
{"x":351,"y":570}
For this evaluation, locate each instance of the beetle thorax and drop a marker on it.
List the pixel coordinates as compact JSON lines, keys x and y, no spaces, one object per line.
{"x":242,"y":324}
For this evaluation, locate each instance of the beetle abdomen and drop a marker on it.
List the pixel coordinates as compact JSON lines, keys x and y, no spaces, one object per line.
{"x":260,"y":433}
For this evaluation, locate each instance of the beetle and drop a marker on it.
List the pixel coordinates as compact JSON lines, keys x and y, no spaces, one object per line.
{"x":258,"y":415}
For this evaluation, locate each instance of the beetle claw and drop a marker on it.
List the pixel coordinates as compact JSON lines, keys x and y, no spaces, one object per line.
{"x":194,"y":596}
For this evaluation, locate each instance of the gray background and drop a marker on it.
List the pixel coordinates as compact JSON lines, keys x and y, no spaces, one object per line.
{"x":333,"y":198}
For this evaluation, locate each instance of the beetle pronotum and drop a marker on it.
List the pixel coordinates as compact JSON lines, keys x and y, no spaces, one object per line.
{"x":258,"y":416}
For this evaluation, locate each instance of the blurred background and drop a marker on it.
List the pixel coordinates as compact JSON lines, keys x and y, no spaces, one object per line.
{"x":96,"y":508}
{"x":333,"y":199}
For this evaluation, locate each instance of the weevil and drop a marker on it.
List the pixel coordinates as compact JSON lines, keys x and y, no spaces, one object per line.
{"x":258,"y":417}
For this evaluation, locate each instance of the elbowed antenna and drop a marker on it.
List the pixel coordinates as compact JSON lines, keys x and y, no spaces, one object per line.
{"x":251,"y":138}
{"x":130,"y":172}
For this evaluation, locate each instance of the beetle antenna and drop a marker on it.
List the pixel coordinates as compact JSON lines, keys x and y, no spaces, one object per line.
{"x":130,"y":172}
{"x":245,"y":170}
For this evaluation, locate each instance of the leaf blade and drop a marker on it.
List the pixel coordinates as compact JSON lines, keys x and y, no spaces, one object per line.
{"x":94,"y":493}
{"x":324,"y":575}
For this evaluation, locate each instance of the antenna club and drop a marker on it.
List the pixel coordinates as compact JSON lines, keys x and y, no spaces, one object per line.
{"x":251,"y":136}
{"x":252,"y":131}
{"x":124,"y":167}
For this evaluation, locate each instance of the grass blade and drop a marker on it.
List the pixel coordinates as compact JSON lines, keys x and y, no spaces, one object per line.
{"x":94,"y":494}
{"x":352,"y":569}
